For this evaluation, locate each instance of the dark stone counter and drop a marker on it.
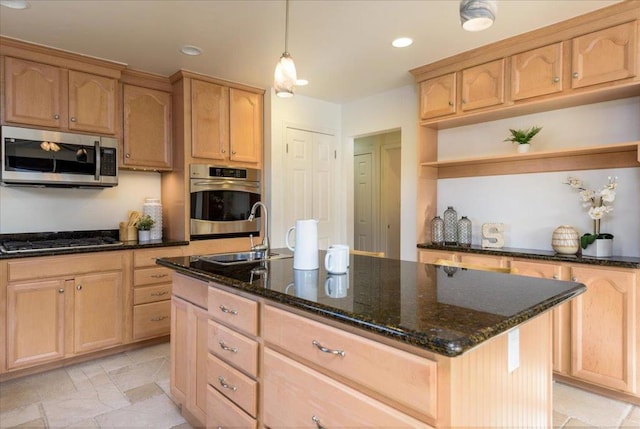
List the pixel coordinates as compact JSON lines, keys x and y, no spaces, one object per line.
{"x":541,"y":255}
{"x":127,"y":245}
{"x":446,"y":312}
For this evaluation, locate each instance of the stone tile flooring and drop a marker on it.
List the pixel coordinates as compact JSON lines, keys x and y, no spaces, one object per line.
{"x":131,"y":390}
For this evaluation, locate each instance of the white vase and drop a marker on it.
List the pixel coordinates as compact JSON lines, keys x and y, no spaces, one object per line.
{"x":524,"y":147}
{"x":601,"y":248}
{"x":565,"y":240}
{"x":144,"y":235}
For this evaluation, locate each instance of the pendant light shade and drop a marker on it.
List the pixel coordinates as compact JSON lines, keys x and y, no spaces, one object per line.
{"x":285,"y":75}
{"x":477,"y":15}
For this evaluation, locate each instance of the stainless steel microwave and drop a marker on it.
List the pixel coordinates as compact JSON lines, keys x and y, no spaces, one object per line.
{"x":33,"y":157}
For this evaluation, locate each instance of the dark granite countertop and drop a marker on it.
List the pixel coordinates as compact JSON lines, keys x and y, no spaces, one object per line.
{"x":541,"y":255}
{"x":127,"y":245}
{"x":446,"y":312}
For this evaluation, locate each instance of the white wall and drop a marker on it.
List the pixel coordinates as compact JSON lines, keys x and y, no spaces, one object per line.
{"x":305,"y":113}
{"x":392,"y":110}
{"x":533,"y":205}
{"x":25,"y":209}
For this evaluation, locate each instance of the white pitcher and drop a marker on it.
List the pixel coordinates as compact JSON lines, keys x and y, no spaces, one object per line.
{"x":305,"y":252}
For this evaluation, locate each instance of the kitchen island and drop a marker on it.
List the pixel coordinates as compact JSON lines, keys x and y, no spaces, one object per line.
{"x":391,"y":343}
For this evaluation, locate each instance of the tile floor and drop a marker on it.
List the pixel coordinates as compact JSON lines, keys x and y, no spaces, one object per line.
{"x":131,"y":390}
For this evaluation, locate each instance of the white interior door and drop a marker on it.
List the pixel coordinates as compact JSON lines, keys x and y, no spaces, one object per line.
{"x":390,"y":200}
{"x":364,"y":205}
{"x":309,"y":181}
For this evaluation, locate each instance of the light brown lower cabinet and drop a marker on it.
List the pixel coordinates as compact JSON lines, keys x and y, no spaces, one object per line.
{"x":78,"y":309}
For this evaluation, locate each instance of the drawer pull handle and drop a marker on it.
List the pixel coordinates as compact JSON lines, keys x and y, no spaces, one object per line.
{"x":326,"y":350}
{"x":226,"y":310}
{"x":316,"y":420}
{"x":159,"y":293}
{"x":223,"y":346}
{"x":159,"y":318}
{"x":159,"y":276}
{"x":224,"y":384}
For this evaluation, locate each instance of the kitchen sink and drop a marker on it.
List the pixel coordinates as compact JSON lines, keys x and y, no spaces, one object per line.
{"x":242,"y":257}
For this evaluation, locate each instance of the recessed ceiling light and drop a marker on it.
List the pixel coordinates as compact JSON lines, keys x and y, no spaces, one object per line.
{"x":302,"y":82}
{"x":402,"y":42}
{"x":14,"y":4}
{"x":190,"y":50}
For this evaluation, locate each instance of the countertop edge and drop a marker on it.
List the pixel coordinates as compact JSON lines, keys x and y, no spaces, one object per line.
{"x":124,"y":246}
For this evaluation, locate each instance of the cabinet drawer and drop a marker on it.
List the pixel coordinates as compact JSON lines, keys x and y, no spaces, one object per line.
{"x":297,"y":396}
{"x":236,"y":386}
{"x":234,"y":348}
{"x":222,"y":413}
{"x":151,"y":320}
{"x":234,"y":310}
{"x":153,"y":275}
{"x":147,"y":257}
{"x":409,"y":379}
{"x":144,"y":295}
{"x":429,"y":256}
{"x":54,"y":266}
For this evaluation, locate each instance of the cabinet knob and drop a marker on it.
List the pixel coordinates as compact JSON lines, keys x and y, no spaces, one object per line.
{"x":574,"y":279}
{"x":555,"y":277}
{"x":73,"y":119}
{"x":60,"y":290}
{"x":464,"y":101}
{"x":575,"y":74}
{"x":316,"y":420}
{"x":223,"y":151}
{"x":56,"y":116}
{"x":79,"y":287}
{"x":451,"y":103}
{"x":556,"y":79}
{"x":158,"y":319}
{"x":127,"y":155}
{"x":233,"y":152}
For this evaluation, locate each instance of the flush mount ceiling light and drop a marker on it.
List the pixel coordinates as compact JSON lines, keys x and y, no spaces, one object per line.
{"x":285,"y":76}
{"x":14,"y":4}
{"x":402,"y":42}
{"x":191,"y":50}
{"x":477,"y":15}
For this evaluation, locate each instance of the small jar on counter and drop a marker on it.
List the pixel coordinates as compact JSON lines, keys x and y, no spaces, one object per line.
{"x":437,"y":230}
{"x":464,"y":232}
{"x":450,"y":226}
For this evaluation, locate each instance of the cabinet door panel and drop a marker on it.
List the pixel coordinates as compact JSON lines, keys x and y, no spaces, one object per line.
{"x":604,"y":323}
{"x":147,"y":127}
{"x":35,"y":322}
{"x":33,"y":93}
{"x":179,"y":350}
{"x":483,"y":85}
{"x":438,"y":96}
{"x":98,"y":311}
{"x":209,"y":120}
{"x":245,"y":119}
{"x":605,"y":55}
{"x":536,"y":72}
{"x":92,"y":103}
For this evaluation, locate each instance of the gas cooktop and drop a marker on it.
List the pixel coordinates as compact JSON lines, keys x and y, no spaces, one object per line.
{"x":55,"y":241}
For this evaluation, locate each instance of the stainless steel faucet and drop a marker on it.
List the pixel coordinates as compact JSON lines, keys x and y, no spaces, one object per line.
{"x":265,"y":246}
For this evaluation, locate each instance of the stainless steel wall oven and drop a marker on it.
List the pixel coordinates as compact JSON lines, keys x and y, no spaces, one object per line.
{"x":221,"y":201}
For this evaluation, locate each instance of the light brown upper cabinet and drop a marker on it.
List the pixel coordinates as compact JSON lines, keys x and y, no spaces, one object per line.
{"x":438,"y":96}
{"x":483,"y":85}
{"x":43,"y":95}
{"x":605,"y":55}
{"x":536,"y":72}
{"x":147,"y":128}
{"x":245,"y":119}
{"x":209,"y":120}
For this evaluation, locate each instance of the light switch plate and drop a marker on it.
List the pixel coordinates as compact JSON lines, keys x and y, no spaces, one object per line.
{"x":513,"y":349}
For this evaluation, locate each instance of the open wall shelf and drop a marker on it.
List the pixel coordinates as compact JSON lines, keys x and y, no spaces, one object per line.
{"x":617,"y":155}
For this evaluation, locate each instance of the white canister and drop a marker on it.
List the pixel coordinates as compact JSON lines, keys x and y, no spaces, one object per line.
{"x":565,"y":240}
{"x":153,"y":208}
{"x":305,"y":252}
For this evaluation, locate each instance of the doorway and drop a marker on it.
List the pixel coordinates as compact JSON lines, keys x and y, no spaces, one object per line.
{"x":376,"y":193}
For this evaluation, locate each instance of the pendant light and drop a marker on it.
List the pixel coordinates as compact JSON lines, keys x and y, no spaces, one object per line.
{"x":285,"y":75}
{"x":477,"y":15}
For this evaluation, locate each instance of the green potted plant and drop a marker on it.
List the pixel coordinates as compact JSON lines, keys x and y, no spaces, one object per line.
{"x":522,"y":137}
{"x":144,"y":228}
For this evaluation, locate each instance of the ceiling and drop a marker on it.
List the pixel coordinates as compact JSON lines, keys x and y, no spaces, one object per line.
{"x":343,"y":47}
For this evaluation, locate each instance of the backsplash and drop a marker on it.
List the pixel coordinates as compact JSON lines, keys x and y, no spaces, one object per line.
{"x":26,"y":209}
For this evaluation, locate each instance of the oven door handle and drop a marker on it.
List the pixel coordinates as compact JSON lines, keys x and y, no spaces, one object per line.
{"x":204,"y":185}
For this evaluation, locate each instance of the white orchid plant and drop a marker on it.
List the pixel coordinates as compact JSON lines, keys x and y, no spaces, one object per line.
{"x":599,"y":204}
